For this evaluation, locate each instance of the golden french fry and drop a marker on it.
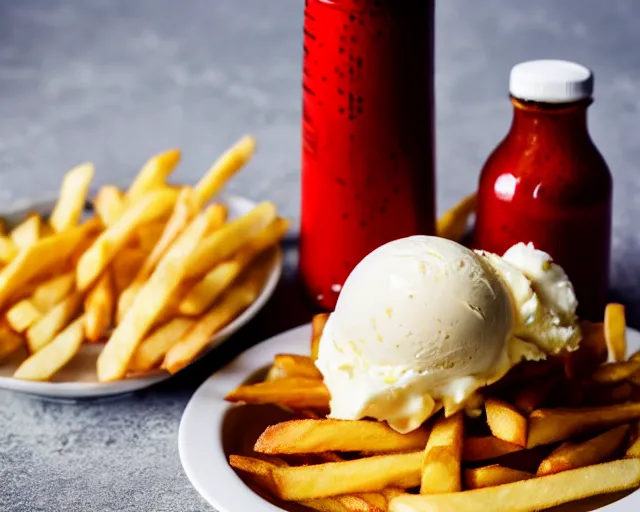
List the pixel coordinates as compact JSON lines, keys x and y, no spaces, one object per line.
{"x":295,"y":392}
{"x":124,"y":268}
{"x":506,"y":422}
{"x":532,"y":494}
{"x":153,"y":348}
{"x":99,"y":305}
{"x":52,"y":291}
{"x":359,"y":502}
{"x":318,"y":436}
{"x":185,"y":209}
{"x":633,"y":451}
{"x":44,"y":330}
{"x":317,"y":326}
{"x":533,"y":395}
{"x":231,"y":304}
{"x":443,"y":455}
{"x":153,"y":175}
{"x":635,"y":356}
{"x":22,"y":315}
{"x":548,"y":426}
{"x":292,"y":365}
{"x":72,"y":198}
{"x":45,"y":363}
{"x":593,"y":451}
{"x":147,"y":236}
{"x":485,"y":448}
{"x":45,"y":255}
{"x":369,"y":474}
{"x":615,"y":326}
{"x":490,"y":476}
{"x":453,"y":224}
{"x":109,"y":204}
{"x":151,"y":301}
{"x":612,"y":373}
{"x":227,"y":240}
{"x":93,"y":262}
{"x":229,"y":163}
{"x":216,"y":281}
{"x":10,"y":342}
{"x":8,"y":249}
{"x":27,"y":233}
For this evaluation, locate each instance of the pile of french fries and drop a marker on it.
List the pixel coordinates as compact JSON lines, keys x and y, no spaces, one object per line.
{"x":548,"y":433}
{"x":153,"y":275}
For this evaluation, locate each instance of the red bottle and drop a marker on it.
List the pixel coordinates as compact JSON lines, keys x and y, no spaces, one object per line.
{"x":368,"y":149}
{"x":547,"y":183}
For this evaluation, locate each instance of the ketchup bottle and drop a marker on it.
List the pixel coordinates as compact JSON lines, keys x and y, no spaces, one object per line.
{"x":547,"y":183}
{"x":368,"y":148}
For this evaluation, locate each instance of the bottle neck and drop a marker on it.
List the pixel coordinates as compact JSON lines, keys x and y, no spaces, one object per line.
{"x":566,"y":121}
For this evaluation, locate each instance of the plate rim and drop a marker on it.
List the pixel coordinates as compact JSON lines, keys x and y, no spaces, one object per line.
{"x":200,"y":432}
{"x":105,"y":389}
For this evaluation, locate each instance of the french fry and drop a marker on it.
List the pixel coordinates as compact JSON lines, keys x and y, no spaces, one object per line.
{"x":153,"y":348}
{"x":291,"y":365}
{"x":453,"y":223}
{"x":317,"y":327}
{"x":99,"y":305}
{"x":147,"y":236}
{"x":532,"y":396}
{"x":42,"y":257}
{"x":486,"y":448}
{"x":227,"y":240}
{"x":153,"y":175}
{"x":298,"y":393}
{"x":593,"y":451}
{"x":27,"y":233}
{"x":303,"y":483}
{"x":635,"y":356}
{"x":216,"y":281}
{"x":615,"y":326}
{"x":73,"y":195}
{"x":44,"y":330}
{"x":532,"y":494}
{"x":93,"y":262}
{"x":53,"y":291}
{"x":231,"y":161}
{"x":548,"y":426}
{"x":231,"y":304}
{"x":185,"y":209}
{"x":10,"y":342}
{"x":633,"y":452}
{"x":442,"y":456}
{"x":45,"y":363}
{"x":360,"y":502}
{"x":318,"y":436}
{"x":609,"y":395}
{"x":612,"y":373}
{"x":22,"y":315}
{"x":109,"y":204}
{"x":490,"y":476}
{"x":124,"y":268}
{"x":151,"y":301}
{"x":506,"y":422}
{"x":8,"y":249}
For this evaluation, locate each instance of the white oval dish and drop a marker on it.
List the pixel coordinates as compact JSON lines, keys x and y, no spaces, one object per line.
{"x":210,"y":429}
{"x":78,"y":379}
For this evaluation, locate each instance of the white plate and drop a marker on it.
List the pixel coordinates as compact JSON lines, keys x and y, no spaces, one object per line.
{"x":78,"y":378}
{"x":211,"y":429}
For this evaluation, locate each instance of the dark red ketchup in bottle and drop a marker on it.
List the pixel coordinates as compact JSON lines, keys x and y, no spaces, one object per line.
{"x":368,"y":148}
{"x":547,"y":183}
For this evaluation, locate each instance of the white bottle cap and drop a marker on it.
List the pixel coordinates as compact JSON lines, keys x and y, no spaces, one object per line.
{"x":551,"y":81}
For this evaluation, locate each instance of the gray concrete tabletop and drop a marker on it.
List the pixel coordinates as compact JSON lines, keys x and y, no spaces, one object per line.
{"x":113,"y":82}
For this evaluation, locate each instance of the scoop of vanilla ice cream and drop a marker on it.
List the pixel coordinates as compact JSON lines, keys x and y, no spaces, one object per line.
{"x":423,"y":322}
{"x":418,"y":320}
